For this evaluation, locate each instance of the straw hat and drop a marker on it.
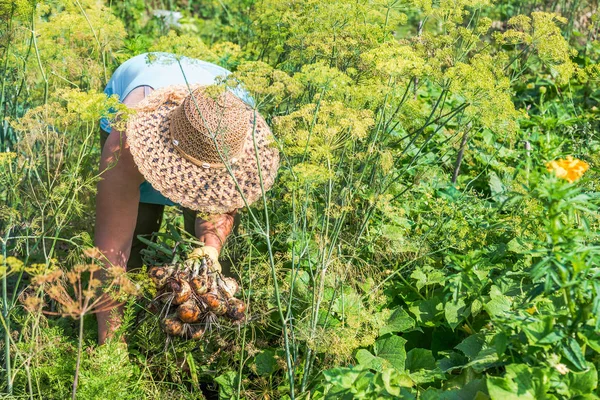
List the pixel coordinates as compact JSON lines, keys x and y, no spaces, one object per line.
{"x":208,"y":152}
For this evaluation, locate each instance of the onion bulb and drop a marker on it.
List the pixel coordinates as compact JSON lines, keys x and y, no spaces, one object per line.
{"x":188,"y":312}
{"x":228,"y":286}
{"x":214,"y":303}
{"x":181,"y":290}
{"x":160,"y":274}
{"x":200,"y":284}
{"x":173,"y":326}
{"x":236,"y":309}
{"x":195,"y":332}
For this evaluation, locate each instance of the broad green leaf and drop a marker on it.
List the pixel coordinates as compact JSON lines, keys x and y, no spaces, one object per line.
{"x":476,"y":307}
{"x":417,"y":359}
{"x":500,"y":343}
{"x":347,"y":303}
{"x":472,"y":345}
{"x":584,"y":382}
{"x":368,"y":360}
{"x":499,"y":303}
{"x":419,"y":277}
{"x":427,"y":276}
{"x":452,"y":361}
{"x":542,"y":332}
{"x":485,"y":359}
{"x":422,"y":366}
{"x":590,"y":337}
{"x":392,"y":349}
{"x":519,"y":383}
{"x":399,"y":321}
{"x":503,"y":389}
{"x":343,"y":377}
{"x":423,"y":376}
{"x":473,"y":390}
{"x":265,"y":362}
{"x":427,"y":312}
{"x":326,"y":320}
{"x":572,"y":352}
{"x":301,"y":282}
{"x":497,"y":188}
{"x":227,"y":385}
{"x":519,"y":246}
{"x":455,"y":312}
{"x":436,"y":394}
{"x":393,"y":381}
{"x":364,"y":385}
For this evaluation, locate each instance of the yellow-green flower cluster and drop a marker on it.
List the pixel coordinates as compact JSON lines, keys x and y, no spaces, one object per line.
{"x":392,"y":59}
{"x":6,"y":158}
{"x":74,"y":40}
{"x":189,"y":45}
{"x":10,"y":265}
{"x":328,"y":81}
{"x":319,"y":130}
{"x":484,"y":87}
{"x":541,"y":32}
{"x":265,"y":83}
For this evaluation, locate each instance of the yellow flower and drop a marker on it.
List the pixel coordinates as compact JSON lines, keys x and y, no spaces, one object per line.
{"x":570,"y":168}
{"x":10,"y":265}
{"x":531,"y":310}
{"x":5,"y":158}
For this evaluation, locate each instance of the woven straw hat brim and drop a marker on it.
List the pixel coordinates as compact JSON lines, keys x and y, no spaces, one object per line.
{"x":208,"y":190}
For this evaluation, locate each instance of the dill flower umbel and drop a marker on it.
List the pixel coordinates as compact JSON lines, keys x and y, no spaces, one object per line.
{"x":570,"y":168}
{"x":7,"y":157}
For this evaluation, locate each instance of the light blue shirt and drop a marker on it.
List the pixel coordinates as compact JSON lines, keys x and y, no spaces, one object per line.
{"x":158,"y":70}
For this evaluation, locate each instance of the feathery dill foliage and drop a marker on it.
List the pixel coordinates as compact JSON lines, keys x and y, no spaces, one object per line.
{"x":413,"y":232}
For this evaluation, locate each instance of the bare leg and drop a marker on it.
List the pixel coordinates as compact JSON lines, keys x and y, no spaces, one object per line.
{"x":116,"y":209}
{"x":116,"y":213}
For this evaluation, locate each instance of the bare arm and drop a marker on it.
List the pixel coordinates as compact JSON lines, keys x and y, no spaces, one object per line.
{"x":214,"y":232}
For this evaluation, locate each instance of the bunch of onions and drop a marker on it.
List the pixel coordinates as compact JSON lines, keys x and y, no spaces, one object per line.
{"x":193,"y":297}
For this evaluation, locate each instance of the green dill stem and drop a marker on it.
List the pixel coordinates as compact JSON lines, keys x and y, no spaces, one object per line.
{"x":273,"y":272}
{"x":312,"y":124}
{"x":324,"y":261}
{"x":415,"y":135}
{"x":77,"y":365}
{"x":460,"y":155}
{"x":100,"y":52}
{"x":4,"y":79}
{"x":29,"y":383}
{"x":39,"y":60}
{"x":308,"y":350}
{"x":7,"y":366}
{"x":241,"y":367}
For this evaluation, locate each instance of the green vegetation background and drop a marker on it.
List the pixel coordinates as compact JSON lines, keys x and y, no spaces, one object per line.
{"x":415,"y":244}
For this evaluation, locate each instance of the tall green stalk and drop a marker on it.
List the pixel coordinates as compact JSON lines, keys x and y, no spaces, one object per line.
{"x":5,"y":312}
{"x":3,"y":133}
{"x":280,"y":307}
{"x":78,"y":363}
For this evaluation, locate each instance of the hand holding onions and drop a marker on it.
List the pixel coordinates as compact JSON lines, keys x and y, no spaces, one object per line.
{"x":195,"y":294}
